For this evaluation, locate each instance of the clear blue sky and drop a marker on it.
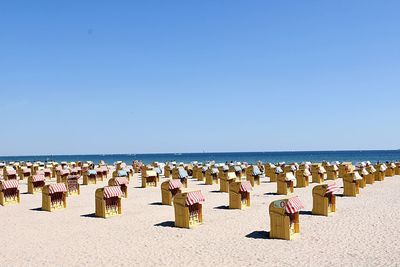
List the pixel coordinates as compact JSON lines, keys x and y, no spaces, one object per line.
{"x":186,"y":76}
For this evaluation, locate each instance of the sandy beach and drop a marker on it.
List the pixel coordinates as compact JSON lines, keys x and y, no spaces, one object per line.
{"x":363,"y":232}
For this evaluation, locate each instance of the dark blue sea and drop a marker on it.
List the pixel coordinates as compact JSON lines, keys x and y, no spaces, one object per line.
{"x":251,"y":157}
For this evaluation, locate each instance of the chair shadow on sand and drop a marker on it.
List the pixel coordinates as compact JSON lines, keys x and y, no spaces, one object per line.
{"x":305,"y":212}
{"x":37,"y":209}
{"x":258,"y":235}
{"x":166,"y":224}
{"x":271,"y":194}
{"x":156,"y":204}
{"x":89,"y":215}
{"x":223,"y":207}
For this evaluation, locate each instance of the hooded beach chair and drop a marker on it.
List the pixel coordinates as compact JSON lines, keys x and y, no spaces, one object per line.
{"x":169,"y":189}
{"x":9,"y":173}
{"x":380,"y":172}
{"x":285,"y":183}
{"x":201,"y":174}
{"x":121,"y":182}
{"x":36,"y":183}
{"x":237,"y":170}
{"x":269,"y":170}
{"x":345,"y":168}
{"x":397,"y":169}
{"x":183,"y":176}
{"x":324,"y":200}
{"x":54,"y":197}
{"x":275,"y":171}
{"x":239,"y":194}
{"x":9,"y":192}
{"x":303,"y":177}
{"x":149,"y":178}
{"x":351,"y":184}
{"x":370,"y":178}
{"x":253,"y":175}
{"x":99,"y":174}
{"x":62,"y":175}
{"x":226,"y":180}
{"x":391,"y":168}
{"x":48,"y":172}
{"x":364,"y":174}
{"x":212,"y":176}
{"x":24,"y":173}
{"x":167,"y":170}
{"x":318,"y":173}
{"x":108,"y":201}
{"x":284,"y":218}
{"x":90,"y":177}
{"x":332,"y":172}
{"x":72,"y":184}
{"x":188,"y":209}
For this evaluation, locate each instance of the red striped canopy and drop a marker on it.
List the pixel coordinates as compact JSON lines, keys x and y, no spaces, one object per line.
{"x":121,"y":181}
{"x":175,"y":183}
{"x":38,"y":178}
{"x":331,"y":189}
{"x":47,"y":171}
{"x":245,"y":186}
{"x":293,"y":205}
{"x":112,"y":191}
{"x":9,"y":184}
{"x":26,"y":170}
{"x":57,"y":188}
{"x":194,"y":197}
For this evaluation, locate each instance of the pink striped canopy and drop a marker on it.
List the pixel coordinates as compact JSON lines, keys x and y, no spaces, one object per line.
{"x":26,"y":170}
{"x":331,"y":189}
{"x":47,"y":171}
{"x":9,"y":184}
{"x":245,"y":186}
{"x":38,"y":178}
{"x":175,"y":183}
{"x":11,"y":171}
{"x":293,"y":205}
{"x":112,"y":191}
{"x":121,"y":181}
{"x":194,"y":197}
{"x":64,"y":172}
{"x":57,"y":188}
{"x":41,"y":172}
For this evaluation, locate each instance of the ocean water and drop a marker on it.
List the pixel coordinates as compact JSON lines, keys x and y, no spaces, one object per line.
{"x":250,"y":157}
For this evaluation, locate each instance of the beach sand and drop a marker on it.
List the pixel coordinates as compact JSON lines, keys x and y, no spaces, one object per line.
{"x":363,"y":232}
